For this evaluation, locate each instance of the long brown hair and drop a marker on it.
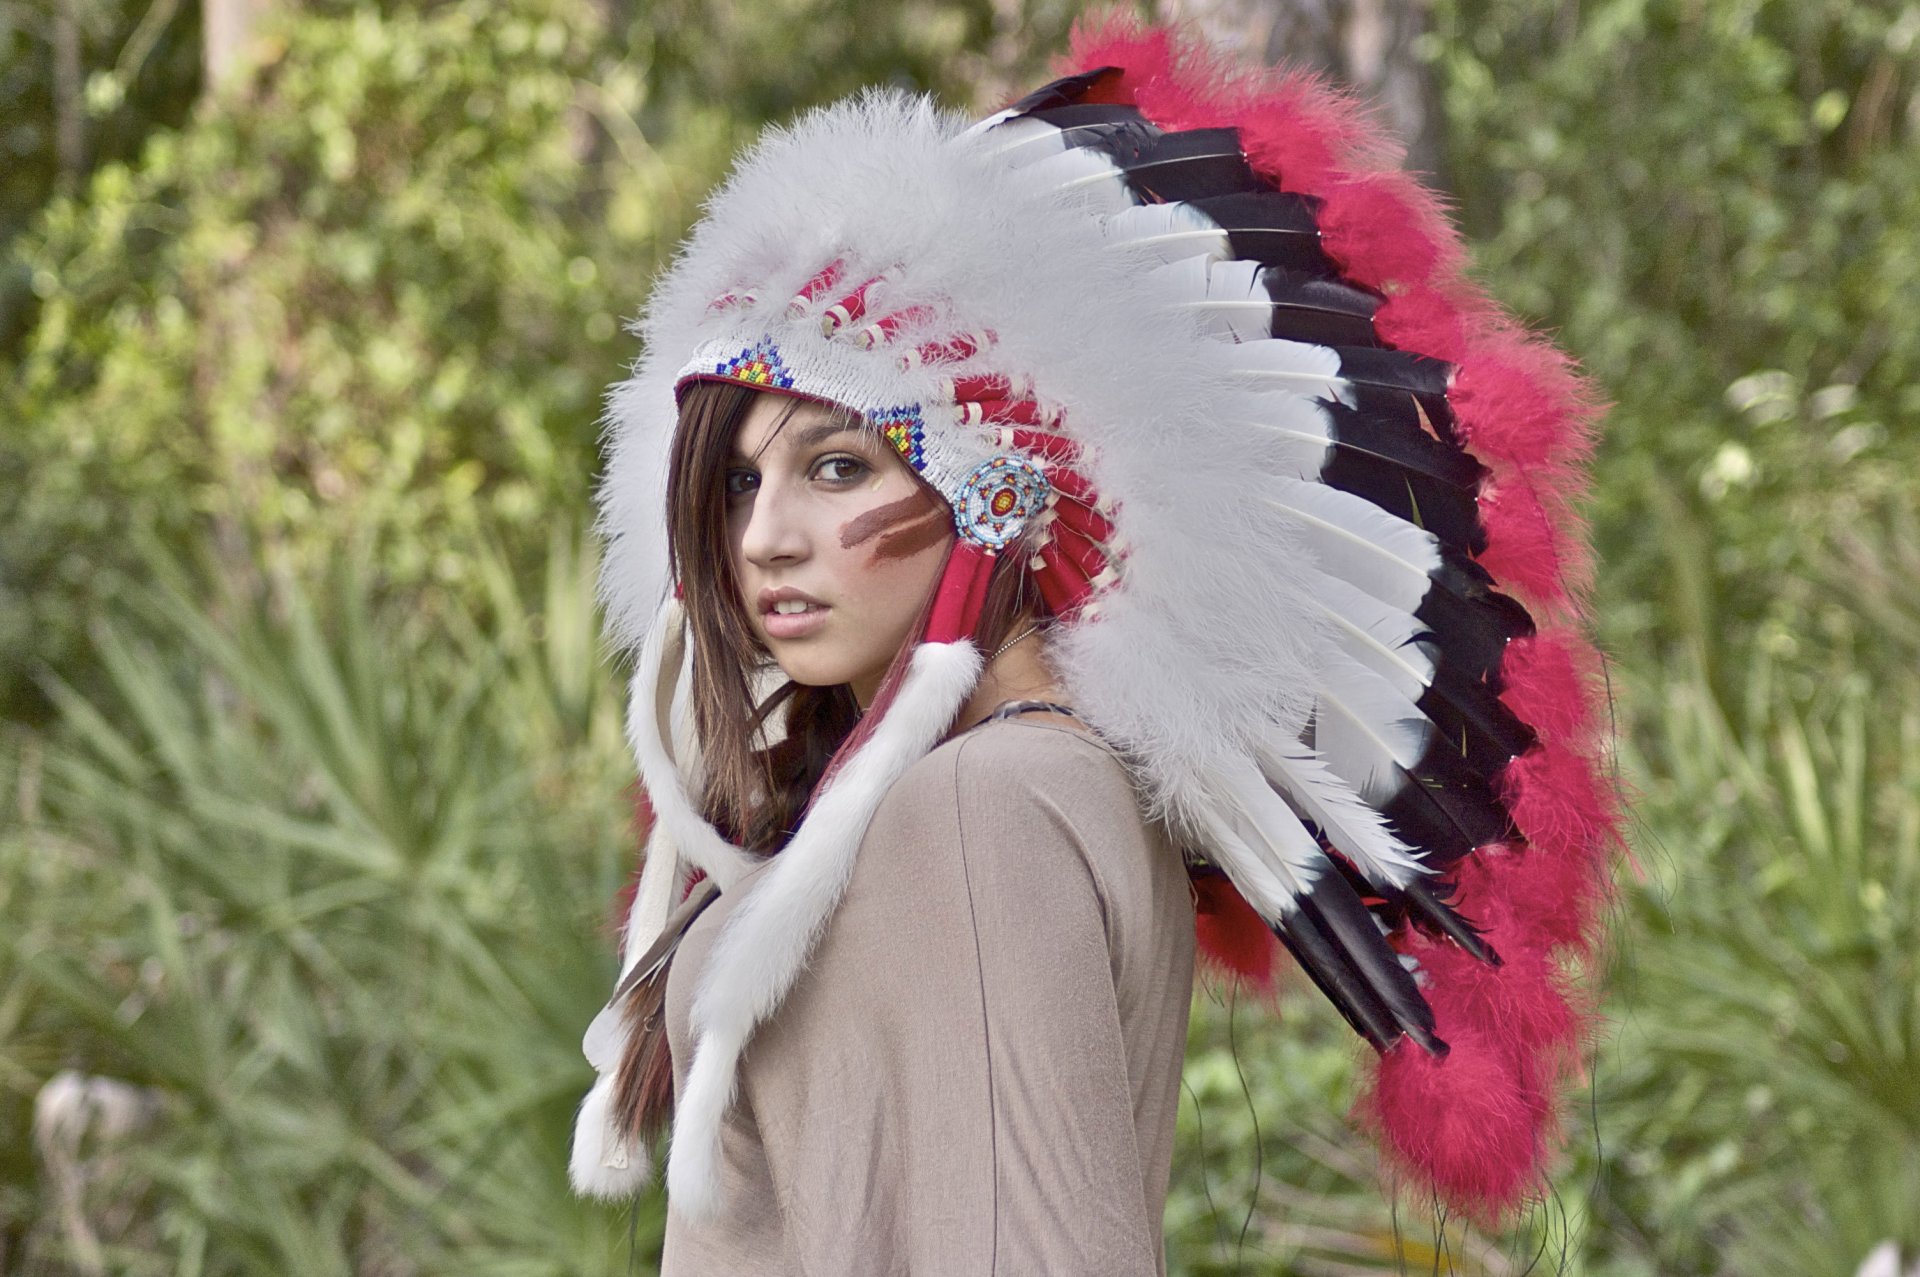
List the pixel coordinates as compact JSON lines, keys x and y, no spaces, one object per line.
{"x":756,"y":790}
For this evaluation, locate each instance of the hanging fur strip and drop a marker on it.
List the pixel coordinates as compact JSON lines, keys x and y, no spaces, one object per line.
{"x":766,"y":941}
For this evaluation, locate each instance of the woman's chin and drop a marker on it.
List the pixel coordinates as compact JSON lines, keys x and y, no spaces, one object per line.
{"x":810,"y":668}
{"x":819,"y":668}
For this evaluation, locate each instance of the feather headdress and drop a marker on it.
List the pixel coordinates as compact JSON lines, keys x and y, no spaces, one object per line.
{"x":1298,"y":497}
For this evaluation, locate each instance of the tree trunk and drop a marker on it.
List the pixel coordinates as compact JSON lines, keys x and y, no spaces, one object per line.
{"x":1364,"y":45}
{"x":226,"y":50}
{"x":69,"y":112}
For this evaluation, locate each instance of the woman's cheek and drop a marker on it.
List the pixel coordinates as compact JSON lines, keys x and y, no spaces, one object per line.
{"x":893,"y":587}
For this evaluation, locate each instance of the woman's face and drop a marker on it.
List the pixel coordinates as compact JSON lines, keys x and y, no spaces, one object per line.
{"x":836,"y":544}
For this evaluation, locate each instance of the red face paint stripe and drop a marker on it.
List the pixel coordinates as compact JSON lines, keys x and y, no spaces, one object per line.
{"x":881,"y":519}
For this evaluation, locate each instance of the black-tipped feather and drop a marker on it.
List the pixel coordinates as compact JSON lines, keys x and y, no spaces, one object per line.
{"x":1273,"y":228}
{"x":1470,"y":621}
{"x":1064,"y":91}
{"x":1423,"y":822}
{"x":1322,"y":311}
{"x":1119,"y":140}
{"x":1381,"y":368}
{"x":1329,"y":967}
{"x":1471,"y":716}
{"x":1336,"y":943}
{"x":1188,"y":166}
{"x":1445,"y":813}
{"x":1422,"y":412}
{"x":1314,"y":954}
{"x":1345,"y":920}
{"x":1423,"y":900}
{"x":1408,"y":473}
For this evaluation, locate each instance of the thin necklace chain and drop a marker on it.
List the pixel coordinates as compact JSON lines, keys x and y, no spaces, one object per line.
{"x":1031,"y":629}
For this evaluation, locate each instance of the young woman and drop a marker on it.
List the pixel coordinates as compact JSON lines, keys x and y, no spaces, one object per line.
{"x":981,"y":1064}
{"x":1036,"y":535}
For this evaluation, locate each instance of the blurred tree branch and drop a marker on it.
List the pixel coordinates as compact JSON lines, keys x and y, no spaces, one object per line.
{"x":1369,"y":46}
{"x":229,"y":28}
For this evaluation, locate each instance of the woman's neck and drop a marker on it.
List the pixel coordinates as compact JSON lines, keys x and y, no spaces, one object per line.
{"x":1018,"y":673}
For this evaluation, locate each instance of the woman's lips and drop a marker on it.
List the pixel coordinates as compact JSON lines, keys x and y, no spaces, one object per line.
{"x":793,"y":625}
{"x":787,"y":613}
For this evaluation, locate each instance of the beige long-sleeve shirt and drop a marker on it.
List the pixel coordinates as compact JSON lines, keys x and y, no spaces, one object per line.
{"x":979,"y":1071}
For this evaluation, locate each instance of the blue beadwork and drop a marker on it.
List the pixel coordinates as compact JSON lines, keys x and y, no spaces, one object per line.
{"x":998,"y":498}
{"x":905,"y":430}
{"x":758,"y":365}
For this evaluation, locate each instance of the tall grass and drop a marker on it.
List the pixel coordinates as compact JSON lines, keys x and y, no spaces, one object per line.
{"x":1763,"y":1090}
{"x":327,"y":880}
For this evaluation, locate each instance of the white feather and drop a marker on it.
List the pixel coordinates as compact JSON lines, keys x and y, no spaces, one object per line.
{"x":998,"y":120}
{"x":661,"y":884}
{"x":1294,"y":367}
{"x":649,"y":713}
{"x":1384,"y":639}
{"x":1169,"y":232}
{"x":1269,"y":855}
{"x":1349,"y":823}
{"x":1226,"y":298}
{"x":1084,"y":173}
{"x":1365,"y":730}
{"x":1023,"y":141}
{"x":604,"y":1164}
{"x":1354,"y":540}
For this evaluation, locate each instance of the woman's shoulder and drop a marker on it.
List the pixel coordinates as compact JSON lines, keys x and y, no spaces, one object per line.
{"x":1022,"y":769}
{"x":1033,"y":752}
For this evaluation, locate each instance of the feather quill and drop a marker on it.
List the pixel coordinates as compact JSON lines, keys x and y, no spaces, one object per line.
{"x":1368,"y":733}
{"x":1167,"y":232}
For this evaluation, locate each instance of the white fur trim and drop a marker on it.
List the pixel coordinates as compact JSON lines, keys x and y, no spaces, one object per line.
{"x":649,"y":720}
{"x":603,"y":1164}
{"x":769,"y":936}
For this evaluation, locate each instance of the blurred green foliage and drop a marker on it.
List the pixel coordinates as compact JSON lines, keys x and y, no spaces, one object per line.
{"x":380,"y":301}
{"x":1712,"y":205}
{"x":315,"y":792}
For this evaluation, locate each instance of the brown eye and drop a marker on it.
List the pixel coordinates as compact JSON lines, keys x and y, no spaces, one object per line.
{"x":840,"y":469}
{"x":741,"y":483}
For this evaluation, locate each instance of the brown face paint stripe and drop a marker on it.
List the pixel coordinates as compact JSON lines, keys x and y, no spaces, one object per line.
{"x":880,"y":519}
{"x":906,"y":541}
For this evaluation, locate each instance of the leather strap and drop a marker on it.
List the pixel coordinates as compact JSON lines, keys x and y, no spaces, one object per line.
{"x":1013,"y":709}
{"x":703,"y":894}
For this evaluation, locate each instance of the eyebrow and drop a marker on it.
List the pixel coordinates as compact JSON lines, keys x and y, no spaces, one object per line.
{"x":822,"y":431}
{"x":810,"y":436}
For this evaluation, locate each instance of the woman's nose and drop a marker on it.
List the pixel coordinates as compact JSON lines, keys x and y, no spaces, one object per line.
{"x":774,"y":533}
